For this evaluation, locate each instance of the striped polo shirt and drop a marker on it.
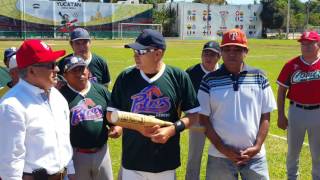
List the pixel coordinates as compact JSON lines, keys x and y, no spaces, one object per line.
{"x":234,"y":104}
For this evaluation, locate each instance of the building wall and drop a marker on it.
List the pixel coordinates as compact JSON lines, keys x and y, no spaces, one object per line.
{"x":202,"y":21}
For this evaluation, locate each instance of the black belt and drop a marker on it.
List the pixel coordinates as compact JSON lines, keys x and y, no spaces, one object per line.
{"x":311,"y":107}
{"x":41,"y":174}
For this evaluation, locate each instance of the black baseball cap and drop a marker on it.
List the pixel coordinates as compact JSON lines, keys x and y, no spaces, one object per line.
{"x":148,"y":39}
{"x":212,"y":46}
{"x":73,"y":62}
{"x":8,"y":53}
{"x":79,"y":33}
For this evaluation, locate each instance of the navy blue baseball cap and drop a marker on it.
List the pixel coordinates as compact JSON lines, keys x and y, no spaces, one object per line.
{"x":73,"y":62}
{"x":148,"y":39}
{"x":212,"y":46}
{"x":79,"y":33}
{"x":9,"y":52}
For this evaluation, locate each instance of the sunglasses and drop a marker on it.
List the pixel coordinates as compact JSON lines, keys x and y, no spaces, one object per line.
{"x":144,"y":51}
{"x":50,"y":66}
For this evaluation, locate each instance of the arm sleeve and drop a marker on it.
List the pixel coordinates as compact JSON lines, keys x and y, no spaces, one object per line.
{"x":12,"y":151}
{"x":285,"y":76}
{"x":190,"y":102}
{"x":106,"y":75}
{"x":268,"y":100}
{"x":115,"y":98}
{"x":204,"y":98}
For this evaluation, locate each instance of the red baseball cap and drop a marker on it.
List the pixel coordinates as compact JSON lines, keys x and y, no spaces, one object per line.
{"x":36,"y":51}
{"x":234,"y":37}
{"x":309,"y":36}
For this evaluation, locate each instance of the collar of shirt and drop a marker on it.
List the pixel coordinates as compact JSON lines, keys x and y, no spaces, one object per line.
{"x":35,"y":90}
{"x":244,"y":69}
{"x":88,"y":61}
{"x":207,"y":72}
{"x":308,"y":64}
{"x":85,"y":92}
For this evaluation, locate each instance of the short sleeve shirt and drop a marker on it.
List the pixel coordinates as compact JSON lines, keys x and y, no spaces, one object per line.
{"x":164,"y":96}
{"x":302,"y":80}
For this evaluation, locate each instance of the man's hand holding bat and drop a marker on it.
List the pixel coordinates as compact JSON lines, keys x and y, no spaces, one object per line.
{"x":157,"y":130}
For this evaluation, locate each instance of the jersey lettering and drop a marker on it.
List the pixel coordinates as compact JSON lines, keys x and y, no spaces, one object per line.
{"x":150,"y":100}
{"x":300,"y":76}
{"x":86,"y":110}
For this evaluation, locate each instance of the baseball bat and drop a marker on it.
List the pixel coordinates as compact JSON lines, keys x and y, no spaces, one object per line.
{"x":133,"y":120}
{"x":129,"y":120}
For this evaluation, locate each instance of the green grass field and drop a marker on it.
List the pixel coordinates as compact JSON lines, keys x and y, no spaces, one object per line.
{"x":268,"y":55}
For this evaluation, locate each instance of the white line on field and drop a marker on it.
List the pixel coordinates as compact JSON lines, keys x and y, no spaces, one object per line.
{"x":283,"y":138}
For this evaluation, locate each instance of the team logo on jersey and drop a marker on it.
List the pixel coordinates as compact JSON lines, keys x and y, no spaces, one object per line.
{"x":86,"y":110}
{"x":300,"y":76}
{"x":150,"y":100}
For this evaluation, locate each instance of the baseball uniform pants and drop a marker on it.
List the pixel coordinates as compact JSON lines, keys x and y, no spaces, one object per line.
{"x":196,"y":145}
{"x":93,"y":166}
{"x":142,"y":175}
{"x":302,"y":121}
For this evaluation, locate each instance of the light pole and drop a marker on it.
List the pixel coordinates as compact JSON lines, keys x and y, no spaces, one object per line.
{"x":288,"y":20}
{"x":308,"y":12}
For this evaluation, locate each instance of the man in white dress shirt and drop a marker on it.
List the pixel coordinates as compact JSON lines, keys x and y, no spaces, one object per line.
{"x":34,"y":120}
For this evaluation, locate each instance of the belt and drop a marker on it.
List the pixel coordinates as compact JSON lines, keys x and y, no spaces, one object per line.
{"x":87,"y":150}
{"x":311,"y":107}
{"x":56,"y":176}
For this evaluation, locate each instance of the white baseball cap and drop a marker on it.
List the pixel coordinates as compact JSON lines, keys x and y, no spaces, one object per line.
{"x":13,"y":62}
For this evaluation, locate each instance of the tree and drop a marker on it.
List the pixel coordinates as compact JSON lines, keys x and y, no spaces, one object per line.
{"x":167,"y":17}
{"x":211,"y":1}
{"x":154,"y":2}
{"x":297,"y":20}
{"x":272,"y":15}
{"x":314,"y":19}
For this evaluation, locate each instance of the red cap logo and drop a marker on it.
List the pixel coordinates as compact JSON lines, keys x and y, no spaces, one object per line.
{"x":234,"y":37}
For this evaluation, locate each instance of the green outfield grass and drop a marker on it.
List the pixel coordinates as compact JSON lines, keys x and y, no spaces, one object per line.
{"x":268,"y":55}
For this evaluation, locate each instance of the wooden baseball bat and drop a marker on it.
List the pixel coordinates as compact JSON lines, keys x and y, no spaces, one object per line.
{"x":129,"y":119}
{"x":133,"y":121}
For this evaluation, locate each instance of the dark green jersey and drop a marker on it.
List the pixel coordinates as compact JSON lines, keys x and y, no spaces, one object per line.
{"x":4,"y":80}
{"x":164,"y":96}
{"x":88,"y":116}
{"x":99,"y":71}
{"x":196,"y":74}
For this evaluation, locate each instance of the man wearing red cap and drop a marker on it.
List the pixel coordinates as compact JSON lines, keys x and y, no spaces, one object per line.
{"x":299,"y":81}
{"x":34,"y":117}
{"x":236,"y":101}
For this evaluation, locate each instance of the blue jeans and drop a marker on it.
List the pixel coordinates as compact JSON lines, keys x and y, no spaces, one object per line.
{"x":223,"y":168}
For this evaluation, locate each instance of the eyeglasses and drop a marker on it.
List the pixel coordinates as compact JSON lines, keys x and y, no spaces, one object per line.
{"x":144,"y":51}
{"x":50,"y":66}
